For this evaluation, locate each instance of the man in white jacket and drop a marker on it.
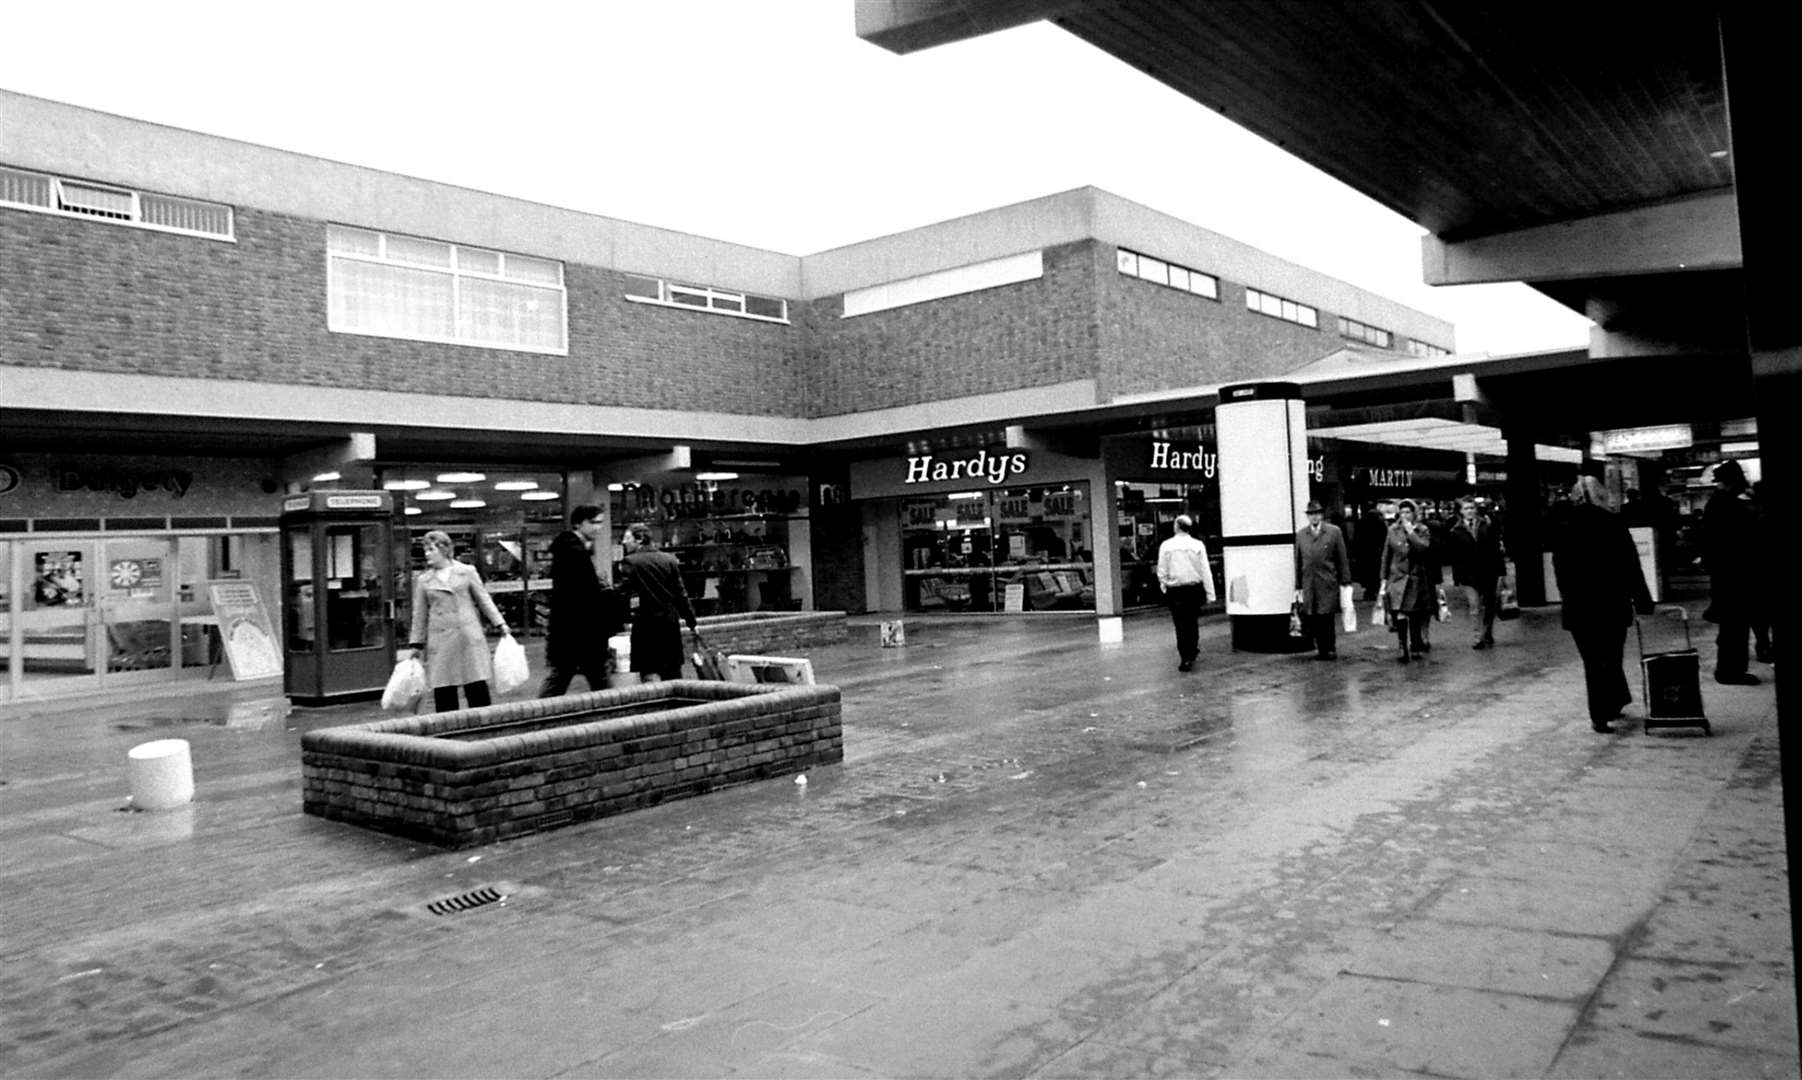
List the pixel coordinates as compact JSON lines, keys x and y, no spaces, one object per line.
{"x":1187,"y":580}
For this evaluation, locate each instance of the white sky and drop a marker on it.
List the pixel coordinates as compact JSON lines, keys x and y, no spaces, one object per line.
{"x":764,"y":122}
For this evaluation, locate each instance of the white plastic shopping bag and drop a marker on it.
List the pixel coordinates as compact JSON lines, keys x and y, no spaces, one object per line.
{"x":510,"y":670}
{"x":1348,"y":614}
{"x":405,"y":686}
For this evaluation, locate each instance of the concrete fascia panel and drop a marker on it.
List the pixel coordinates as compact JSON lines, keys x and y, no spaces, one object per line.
{"x":1698,"y":233}
{"x":62,"y":390}
{"x":905,"y":26}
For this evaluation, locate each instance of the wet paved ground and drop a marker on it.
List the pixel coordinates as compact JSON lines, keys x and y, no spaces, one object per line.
{"x":1042,"y":857}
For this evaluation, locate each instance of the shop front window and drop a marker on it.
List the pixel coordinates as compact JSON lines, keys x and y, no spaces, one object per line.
{"x":1006,"y":550}
{"x":1148,"y":512}
{"x":501,"y":522}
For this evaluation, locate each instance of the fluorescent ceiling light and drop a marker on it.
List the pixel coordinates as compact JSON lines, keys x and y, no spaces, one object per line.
{"x":411,"y":510}
{"x":466,"y":504}
{"x":435,"y":496}
{"x":462,"y":477}
{"x":716,"y":476}
{"x":327,"y":477}
{"x":964,"y":495}
{"x":407,"y":485}
{"x":515,"y":485}
{"x":537,"y":496}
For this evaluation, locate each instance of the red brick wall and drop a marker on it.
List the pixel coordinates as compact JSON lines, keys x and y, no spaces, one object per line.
{"x":1013,"y":337}
{"x":1154,"y":337}
{"x":102,"y":297}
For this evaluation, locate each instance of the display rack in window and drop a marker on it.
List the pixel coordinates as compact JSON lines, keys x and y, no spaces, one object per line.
{"x":730,"y":564}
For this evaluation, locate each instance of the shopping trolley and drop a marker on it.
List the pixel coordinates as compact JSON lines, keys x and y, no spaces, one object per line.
{"x":1672,"y":680}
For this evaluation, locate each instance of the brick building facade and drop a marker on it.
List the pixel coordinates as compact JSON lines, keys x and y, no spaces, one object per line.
{"x":260,"y":319}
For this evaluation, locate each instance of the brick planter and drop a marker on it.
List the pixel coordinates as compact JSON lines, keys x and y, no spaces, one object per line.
{"x":554,"y":761}
{"x":773,"y":633}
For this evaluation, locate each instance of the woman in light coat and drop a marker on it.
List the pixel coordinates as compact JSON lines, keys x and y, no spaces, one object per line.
{"x":1408,"y":591}
{"x":449,"y":604}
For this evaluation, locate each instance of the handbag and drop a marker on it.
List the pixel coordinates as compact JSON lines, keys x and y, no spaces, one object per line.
{"x":1379,"y":614}
{"x":1507,"y":602}
{"x":406,"y":686}
{"x":510,"y":668}
{"x":709,"y":663}
{"x":1295,"y":629}
{"x":1444,"y":613}
{"x":1348,"y":614}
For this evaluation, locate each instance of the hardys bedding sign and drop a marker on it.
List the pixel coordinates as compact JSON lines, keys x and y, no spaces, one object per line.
{"x":937,"y":472}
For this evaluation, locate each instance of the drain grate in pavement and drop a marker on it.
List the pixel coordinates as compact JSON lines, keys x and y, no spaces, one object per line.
{"x":470,"y":900}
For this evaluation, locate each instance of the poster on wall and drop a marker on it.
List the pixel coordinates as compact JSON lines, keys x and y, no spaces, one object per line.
{"x":59,"y":581}
{"x":245,"y":631}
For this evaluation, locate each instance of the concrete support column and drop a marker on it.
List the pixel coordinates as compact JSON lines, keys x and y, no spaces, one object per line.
{"x":1524,"y":532}
{"x":1106,"y":542}
{"x":1263,"y":446}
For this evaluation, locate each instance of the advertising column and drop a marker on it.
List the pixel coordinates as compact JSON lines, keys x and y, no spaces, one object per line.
{"x":1262,"y":437}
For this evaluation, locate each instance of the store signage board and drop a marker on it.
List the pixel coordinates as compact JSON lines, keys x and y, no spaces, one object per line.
{"x":1014,"y":597}
{"x":1642,"y":440}
{"x":244,"y":630}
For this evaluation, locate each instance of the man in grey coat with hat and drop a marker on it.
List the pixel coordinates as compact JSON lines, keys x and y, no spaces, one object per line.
{"x":1322,"y":566}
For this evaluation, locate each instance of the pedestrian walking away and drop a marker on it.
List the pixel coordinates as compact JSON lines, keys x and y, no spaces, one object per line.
{"x":1731,"y":549}
{"x":1596,"y":566}
{"x":1477,"y":565}
{"x":585,"y":612}
{"x":1322,"y":567}
{"x":1187,"y":580}
{"x":654,"y":578}
{"x":1408,"y":595}
{"x":449,"y":605}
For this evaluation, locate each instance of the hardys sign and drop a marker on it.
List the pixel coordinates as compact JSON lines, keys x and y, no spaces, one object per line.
{"x":1176,"y":457}
{"x":981,"y":466}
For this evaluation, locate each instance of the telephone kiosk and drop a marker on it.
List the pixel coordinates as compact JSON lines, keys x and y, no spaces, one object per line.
{"x":338,"y":595}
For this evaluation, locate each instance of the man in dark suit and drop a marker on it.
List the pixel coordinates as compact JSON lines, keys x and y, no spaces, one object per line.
{"x":1321,"y":567}
{"x":584,"y":613}
{"x":1736,"y":573}
{"x":1477,"y":565}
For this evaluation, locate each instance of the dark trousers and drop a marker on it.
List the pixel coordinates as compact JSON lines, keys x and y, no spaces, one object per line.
{"x":1730,"y":647}
{"x":1408,"y":630}
{"x":444,"y":698}
{"x":558,"y":674}
{"x":1185,"y":612}
{"x":1482,"y":608}
{"x":1325,"y":632}
{"x":1601,"y":648}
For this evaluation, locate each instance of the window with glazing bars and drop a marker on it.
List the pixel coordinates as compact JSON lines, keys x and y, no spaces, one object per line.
{"x":105,"y":202}
{"x":390,"y":285}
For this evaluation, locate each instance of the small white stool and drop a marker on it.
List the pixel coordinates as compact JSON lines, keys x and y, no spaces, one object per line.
{"x":1113,"y":630}
{"x":162,"y":774}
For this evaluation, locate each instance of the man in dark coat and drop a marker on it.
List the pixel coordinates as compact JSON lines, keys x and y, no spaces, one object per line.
{"x":655,"y":579}
{"x":1597,"y":569}
{"x":1321,"y":567}
{"x":1476,"y":554}
{"x":584,"y":613}
{"x":1730,"y":548}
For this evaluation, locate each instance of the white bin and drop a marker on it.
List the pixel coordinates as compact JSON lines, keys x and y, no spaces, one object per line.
{"x":1113,"y":630}
{"x":162,"y":774}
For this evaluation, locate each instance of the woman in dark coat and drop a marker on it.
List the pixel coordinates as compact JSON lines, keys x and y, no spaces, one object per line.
{"x":1597,"y":569}
{"x":655,"y":578}
{"x":1407,"y":590}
